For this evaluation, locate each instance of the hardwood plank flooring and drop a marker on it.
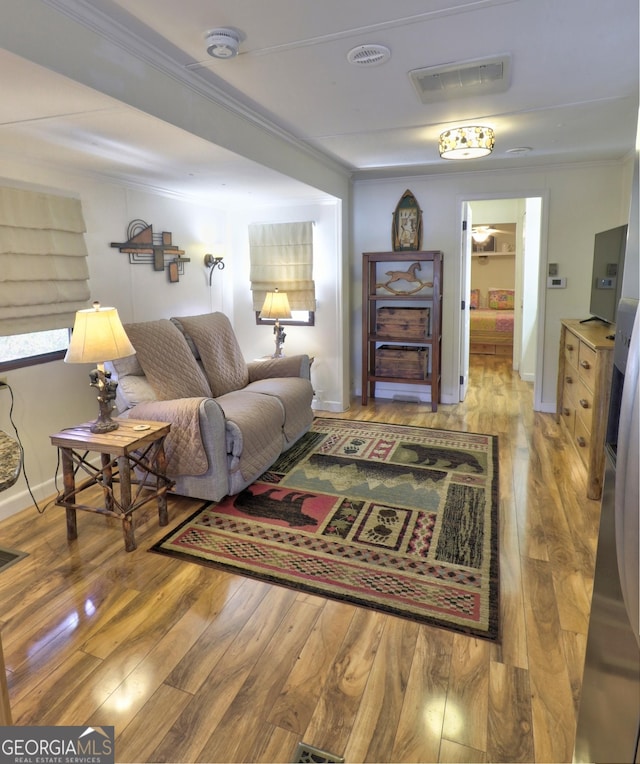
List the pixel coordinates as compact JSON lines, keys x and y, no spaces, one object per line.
{"x":194,"y":664}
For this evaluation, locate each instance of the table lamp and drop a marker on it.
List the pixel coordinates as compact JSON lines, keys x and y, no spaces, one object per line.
{"x":98,"y":336}
{"x":276,"y":305}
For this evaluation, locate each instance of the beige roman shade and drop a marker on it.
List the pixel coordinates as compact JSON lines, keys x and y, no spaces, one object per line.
{"x":282,"y":257}
{"x":43,"y":261}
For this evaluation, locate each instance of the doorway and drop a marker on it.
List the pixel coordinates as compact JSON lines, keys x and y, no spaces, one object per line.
{"x":501,"y":282}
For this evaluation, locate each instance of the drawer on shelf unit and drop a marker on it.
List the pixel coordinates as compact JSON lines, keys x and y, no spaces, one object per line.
{"x":405,"y":361}
{"x":409,"y":323}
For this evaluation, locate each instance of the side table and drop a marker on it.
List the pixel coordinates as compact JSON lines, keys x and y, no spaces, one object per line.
{"x":135,"y":444}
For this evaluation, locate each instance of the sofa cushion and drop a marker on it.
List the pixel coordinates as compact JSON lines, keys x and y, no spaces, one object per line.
{"x":133,"y":390}
{"x":295,"y":395}
{"x":254,"y":432}
{"x":219,"y":351}
{"x":167,"y":361}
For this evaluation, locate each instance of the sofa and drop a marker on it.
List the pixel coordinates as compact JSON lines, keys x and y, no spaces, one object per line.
{"x":230,"y":420}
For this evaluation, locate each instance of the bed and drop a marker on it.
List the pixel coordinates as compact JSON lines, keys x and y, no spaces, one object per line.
{"x":491,"y":330}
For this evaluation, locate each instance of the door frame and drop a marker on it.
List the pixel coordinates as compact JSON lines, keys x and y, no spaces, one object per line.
{"x":542,"y":280}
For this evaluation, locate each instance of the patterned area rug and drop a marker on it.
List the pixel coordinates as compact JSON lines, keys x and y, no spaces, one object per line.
{"x":398,"y":518}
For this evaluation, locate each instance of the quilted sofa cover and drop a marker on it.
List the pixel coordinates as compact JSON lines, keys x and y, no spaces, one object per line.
{"x":230,"y":420}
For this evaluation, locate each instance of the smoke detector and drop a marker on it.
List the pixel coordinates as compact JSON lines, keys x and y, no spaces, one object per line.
{"x":223,"y":43}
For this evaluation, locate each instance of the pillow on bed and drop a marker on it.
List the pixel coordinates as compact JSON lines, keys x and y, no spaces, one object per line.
{"x":474,"y":302}
{"x":501,"y":299}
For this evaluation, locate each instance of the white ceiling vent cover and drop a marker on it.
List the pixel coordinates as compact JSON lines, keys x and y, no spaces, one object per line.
{"x":368,"y":55}
{"x":467,"y":78}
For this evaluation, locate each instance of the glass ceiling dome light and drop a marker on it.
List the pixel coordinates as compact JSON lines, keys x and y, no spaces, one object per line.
{"x":466,"y":142}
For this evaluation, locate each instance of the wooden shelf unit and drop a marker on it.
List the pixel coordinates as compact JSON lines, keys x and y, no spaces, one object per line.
{"x":375,"y":266}
{"x":585,"y":366}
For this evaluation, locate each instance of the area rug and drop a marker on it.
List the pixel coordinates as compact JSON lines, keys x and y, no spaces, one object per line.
{"x":401,"y":519}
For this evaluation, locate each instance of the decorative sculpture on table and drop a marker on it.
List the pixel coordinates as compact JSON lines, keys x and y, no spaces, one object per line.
{"x":409,"y":276}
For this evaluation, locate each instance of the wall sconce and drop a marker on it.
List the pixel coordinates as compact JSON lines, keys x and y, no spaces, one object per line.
{"x":212,"y":262}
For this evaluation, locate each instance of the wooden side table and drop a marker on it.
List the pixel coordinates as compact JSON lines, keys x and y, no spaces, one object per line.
{"x":135,"y":444}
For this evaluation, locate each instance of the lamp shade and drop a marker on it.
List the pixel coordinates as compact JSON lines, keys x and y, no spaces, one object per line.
{"x":276,"y":305}
{"x":98,"y":336}
{"x":466,"y":142}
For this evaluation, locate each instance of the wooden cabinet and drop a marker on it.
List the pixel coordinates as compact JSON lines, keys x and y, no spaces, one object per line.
{"x":584,"y":380}
{"x":401,"y":321}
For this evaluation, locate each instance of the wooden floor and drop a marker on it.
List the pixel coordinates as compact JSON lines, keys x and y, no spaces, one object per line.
{"x":191,"y":664}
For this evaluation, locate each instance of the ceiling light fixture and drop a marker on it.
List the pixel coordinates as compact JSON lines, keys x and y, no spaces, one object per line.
{"x":466,"y":142}
{"x":223,"y":43}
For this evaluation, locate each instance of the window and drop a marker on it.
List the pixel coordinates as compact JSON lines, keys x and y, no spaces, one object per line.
{"x":43,"y":262}
{"x":298,"y":318}
{"x":20,"y":350}
{"x":282,"y":257}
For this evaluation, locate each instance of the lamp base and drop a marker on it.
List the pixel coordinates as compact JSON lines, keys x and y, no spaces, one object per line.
{"x":104,"y":425}
{"x":106,"y":387}
{"x":279,"y":339}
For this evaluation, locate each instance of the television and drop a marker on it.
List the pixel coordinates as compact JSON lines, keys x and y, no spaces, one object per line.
{"x":606,"y":277}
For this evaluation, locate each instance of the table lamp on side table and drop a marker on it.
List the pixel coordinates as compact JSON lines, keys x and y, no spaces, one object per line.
{"x":276,"y":305}
{"x":98,"y":336}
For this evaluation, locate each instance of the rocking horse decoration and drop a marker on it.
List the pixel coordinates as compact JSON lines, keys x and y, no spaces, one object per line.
{"x":409,"y":276}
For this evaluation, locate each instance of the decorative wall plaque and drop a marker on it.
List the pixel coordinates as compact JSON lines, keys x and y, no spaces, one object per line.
{"x":406,"y":232}
{"x":145,"y":246}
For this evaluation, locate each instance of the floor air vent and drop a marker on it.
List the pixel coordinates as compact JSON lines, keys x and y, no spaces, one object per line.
{"x":8,"y":557}
{"x":307,"y":754}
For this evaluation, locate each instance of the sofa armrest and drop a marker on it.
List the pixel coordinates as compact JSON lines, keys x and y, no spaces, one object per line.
{"x":193,"y":422}
{"x":286,"y":366}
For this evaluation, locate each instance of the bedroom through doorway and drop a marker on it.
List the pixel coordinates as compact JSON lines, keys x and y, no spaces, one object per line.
{"x":502,"y":282}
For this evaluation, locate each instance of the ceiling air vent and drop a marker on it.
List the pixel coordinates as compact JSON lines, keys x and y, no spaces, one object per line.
{"x":368,"y":55}
{"x":442,"y":83}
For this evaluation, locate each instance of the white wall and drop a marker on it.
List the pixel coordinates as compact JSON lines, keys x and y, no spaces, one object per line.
{"x":327,"y":341}
{"x":582,"y":199}
{"x":56,"y":395}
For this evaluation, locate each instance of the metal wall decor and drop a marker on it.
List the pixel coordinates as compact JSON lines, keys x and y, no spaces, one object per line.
{"x":145,"y":246}
{"x":406,"y":231}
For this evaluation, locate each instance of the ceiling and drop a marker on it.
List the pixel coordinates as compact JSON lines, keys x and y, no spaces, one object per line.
{"x":571,"y":94}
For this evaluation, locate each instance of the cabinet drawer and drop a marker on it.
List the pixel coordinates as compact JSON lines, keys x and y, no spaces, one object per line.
{"x":571,"y":349}
{"x":584,"y":404}
{"x":582,"y":438}
{"x":570,"y":383}
{"x":587,"y":364}
{"x":568,"y":413}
